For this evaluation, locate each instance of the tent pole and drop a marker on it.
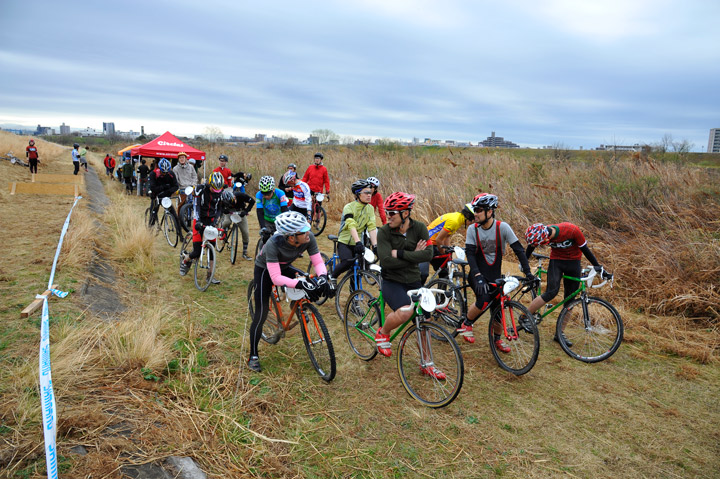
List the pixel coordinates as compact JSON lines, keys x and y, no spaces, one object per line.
{"x":138,"y":176}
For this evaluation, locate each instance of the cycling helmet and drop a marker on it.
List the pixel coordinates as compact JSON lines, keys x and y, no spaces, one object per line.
{"x":266,"y":184}
{"x":228,"y":197}
{"x":164,"y":165}
{"x":248,"y":177}
{"x":467,"y":212}
{"x":291,"y":222}
{"x":292,"y":165}
{"x":537,"y":235}
{"x":374,"y":181}
{"x":217,"y":182}
{"x":75,"y":145}
{"x":289,"y":175}
{"x":182,"y":153}
{"x":484,"y":201}
{"x":32,"y":142}
{"x":319,"y":155}
{"x":359,"y":185}
{"x":223,"y":158}
{"x":399,"y":201}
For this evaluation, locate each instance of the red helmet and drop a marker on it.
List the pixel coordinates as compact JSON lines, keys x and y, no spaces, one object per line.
{"x":399,"y":201}
{"x":537,"y":235}
{"x":32,"y":142}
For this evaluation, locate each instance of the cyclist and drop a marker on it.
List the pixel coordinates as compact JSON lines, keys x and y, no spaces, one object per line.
{"x":162,"y":183}
{"x":205,"y":210}
{"x":358,"y":218}
{"x":286,"y":188}
{"x":377,"y":200}
{"x":302,"y":201}
{"x":224,"y":171}
{"x":292,"y":238}
{"x":31,"y":152}
{"x":242,"y":178}
{"x":242,"y":203}
{"x":484,"y":246}
{"x":186,"y":176}
{"x":270,"y":202}
{"x":441,"y":230}
{"x":567,"y":245}
{"x":402,"y":246}
{"x":316,"y":176}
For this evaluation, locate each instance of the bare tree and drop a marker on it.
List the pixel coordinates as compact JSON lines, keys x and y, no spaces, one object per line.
{"x":683,"y":146}
{"x":324,"y":135}
{"x":213,"y":134}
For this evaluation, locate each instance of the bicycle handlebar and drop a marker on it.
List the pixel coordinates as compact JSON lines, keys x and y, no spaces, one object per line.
{"x":416,"y":296}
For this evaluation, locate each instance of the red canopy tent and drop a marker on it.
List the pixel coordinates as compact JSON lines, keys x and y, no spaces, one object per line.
{"x":167,"y":146}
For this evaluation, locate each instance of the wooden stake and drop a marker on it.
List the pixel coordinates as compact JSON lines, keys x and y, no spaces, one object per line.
{"x":35,"y":304}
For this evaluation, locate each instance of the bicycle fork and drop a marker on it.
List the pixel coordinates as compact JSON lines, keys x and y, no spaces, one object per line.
{"x":514,"y":334}
{"x":424,"y":346}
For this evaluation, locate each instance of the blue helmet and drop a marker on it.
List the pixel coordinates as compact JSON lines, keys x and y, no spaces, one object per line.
{"x":164,"y":165}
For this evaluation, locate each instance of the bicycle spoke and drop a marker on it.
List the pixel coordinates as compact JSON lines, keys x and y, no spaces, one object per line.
{"x":317,"y":341}
{"x":593,"y":338}
{"x":523,"y":342}
{"x":362,"y":321}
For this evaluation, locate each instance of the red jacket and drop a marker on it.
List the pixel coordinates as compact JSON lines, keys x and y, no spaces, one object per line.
{"x":377,"y":202}
{"x":316,"y":176}
{"x":31,"y":152}
{"x":109,"y":162}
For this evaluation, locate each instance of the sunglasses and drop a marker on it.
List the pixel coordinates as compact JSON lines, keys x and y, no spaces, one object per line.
{"x":366,"y":192}
{"x":393,"y":213}
{"x":301,"y":234}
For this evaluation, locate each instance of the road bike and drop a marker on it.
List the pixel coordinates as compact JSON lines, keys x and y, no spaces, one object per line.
{"x":230,"y":237}
{"x":588,"y":328}
{"x":429,"y":361}
{"x":449,"y":269}
{"x":319,"y":217}
{"x":186,"y":210}
{"x":204,"y":268}
{"x":168,"y":224}
{"x":315,"y":334}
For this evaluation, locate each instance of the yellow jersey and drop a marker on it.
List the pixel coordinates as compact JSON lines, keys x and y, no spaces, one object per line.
{"x":450,"y":222}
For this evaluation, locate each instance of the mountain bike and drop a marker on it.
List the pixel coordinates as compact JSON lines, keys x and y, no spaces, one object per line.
{"x":429,"y":361}
{"x":588,"y":328}
{"x":319,"y":217}
{"x":362,"y":275}
{"x":205,"y":264}
{"x":315,"y":334}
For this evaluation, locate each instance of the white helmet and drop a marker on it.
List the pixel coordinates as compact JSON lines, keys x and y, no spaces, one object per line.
{"x":291,"y":222}
{"x":374,"y":181}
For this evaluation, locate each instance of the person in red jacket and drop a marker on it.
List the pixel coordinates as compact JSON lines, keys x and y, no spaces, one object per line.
{"x":109,"y":163}
{"x":31,"y":153}
{"x":377,"y":200}
{"x":316,"y":176}
{"x":224,"y":171}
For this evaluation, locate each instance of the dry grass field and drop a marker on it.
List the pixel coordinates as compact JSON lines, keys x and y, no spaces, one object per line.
{"x":168,"y":377}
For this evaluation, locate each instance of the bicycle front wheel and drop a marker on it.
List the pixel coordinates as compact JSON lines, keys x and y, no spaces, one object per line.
{"x":364,"y":280}
{"x":523,"y":342}
{"x":170,"y":229}
{"x":594,"y":329}
{"x":452,"y":315}
{"x":362,"y":321}
{"x":185,"y":217}
{"x":205,"y":267}
{"x":317,"y":341}
{"x":271,"y":331}
{"x":233,"y":243}
{"x":318,"y":221}
{"x":431,"y":369}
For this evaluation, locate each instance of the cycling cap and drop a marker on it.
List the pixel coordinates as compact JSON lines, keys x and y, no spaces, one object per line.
{"x":289,"y":175}
{"x":228,"y":197}
{"x":182,"y":153}
{"x":319,"y":155}
{"x":399,"y":201}
{"x":164,"y":165}
{"x":217,"y":181}
{"x":374,"y":181}
{"x":359,"y":185}
{"x":485,"y":201}
{"x":266,"y":184}
{"x":223,"y":158}
{"x":467,"y":212}
{"x":291,"y":222}
{"x":537,"y":235}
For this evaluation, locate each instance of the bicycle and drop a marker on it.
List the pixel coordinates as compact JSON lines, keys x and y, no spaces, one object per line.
{"x":206,"y":262}
{"x":265,"y":234}
{"x":315,"y":334}
{"x":319,"y":217}
{"x":230,"y":237}
{"x":424,"y":345}
{"x":359,"y":276}
{"x":596,"y":333}
{"x":186,"y":210}
{"x":455,"y":273}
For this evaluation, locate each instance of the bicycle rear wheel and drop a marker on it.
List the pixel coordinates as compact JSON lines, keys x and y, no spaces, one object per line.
{"x":524,"y":349}
{"x":452,"y":315}
{"x":233,"y":243}
{"x":185,"y":217}
{"x":318,"y":221}
{"x":170,"y":229}
{"x":205,"y":267}
{"x":595,"y":336}
{"x":431,"y":369}
{"x":366,"y":280}
{"x":361,"y":323}
{"x":272,"y":330}
{"x":317,"y":341}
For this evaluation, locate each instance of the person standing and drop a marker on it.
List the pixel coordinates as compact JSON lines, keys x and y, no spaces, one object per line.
{"x":83,"y":157}
{"x":186,"y":176}
{"x":76,"y":158}
{"x":31,"y":153}
{"x":143,"y":171}
{"x":224,"y":171}
{"x":128,"y":175}
{"x":109,"y":163}
{"x":316,"y":176}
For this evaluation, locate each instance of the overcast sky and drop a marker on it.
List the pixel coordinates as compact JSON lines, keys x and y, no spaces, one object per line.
{"x":577,"y":72}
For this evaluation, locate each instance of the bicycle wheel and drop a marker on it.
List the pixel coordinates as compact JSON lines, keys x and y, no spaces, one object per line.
{"x":233,"y":243}
{"x":524,"y":348}
{"x":185,"y":217}
{"x":431,"y":369}
{"x":187,"y":245}
{"x":317,"y":341}
{"x":361,"y":323}
{"x":366,"y":281}
{"x":204,"y":267}
{"x":150,"y":220}
{"x":258,"y":247}
{"x":595,"y":335}
{"x":452,"y":315}
{"x":272,"y":331}
{"x":319,"y":220}
{"x":170,"y":229}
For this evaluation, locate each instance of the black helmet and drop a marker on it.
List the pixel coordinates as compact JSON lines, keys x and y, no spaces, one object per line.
{"x":359,"y":185}
{"x":467,"y":212}
{"x":319,"y":155}
{"x":223,"y":158}
{"x":75,"y":145}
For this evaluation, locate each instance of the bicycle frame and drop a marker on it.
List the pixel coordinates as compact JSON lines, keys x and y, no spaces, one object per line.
{"x":380,"y":301}
{"x":581,"y":289}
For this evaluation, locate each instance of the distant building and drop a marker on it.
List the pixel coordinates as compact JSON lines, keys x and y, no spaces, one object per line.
{"x":313,"y":140}
{"x":714,"y":141}
{"x":635,"y":147}
{"x":43,"y":130}
{"x":64,"y":129}
{"x":493,"y":141}
{"x":108,"y":129}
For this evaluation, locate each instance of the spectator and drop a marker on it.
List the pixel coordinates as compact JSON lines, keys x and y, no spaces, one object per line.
{"x":144,"y":171}
{"x":32,"y":155}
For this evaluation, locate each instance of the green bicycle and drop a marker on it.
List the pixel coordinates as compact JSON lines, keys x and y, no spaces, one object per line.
{"x":428,"y":358}
{"x":588,"y":329}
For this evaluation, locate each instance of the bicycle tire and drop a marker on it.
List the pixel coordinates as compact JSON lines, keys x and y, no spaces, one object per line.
{"x":203,"y":265}
{"x":170,"y":229}
{"x":361,"y":323}
{"x":272,"y":330}
{"x":233,"y":243}
{"x":185,"y":217}
{"x":452,"y":316}
{"x":592,"y":341}
{"x":368,"y":281}
{"x":524,"y":349}
{"x":317,"y":341}
{"x":151,"y":224}
{"x":443,"y":354}
{"x":318,"y":223}
{"x":258,"y":247}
